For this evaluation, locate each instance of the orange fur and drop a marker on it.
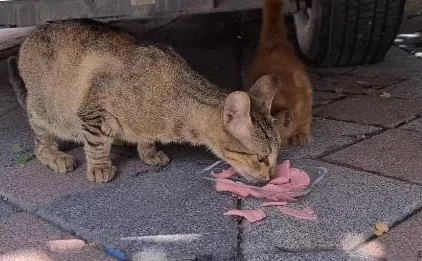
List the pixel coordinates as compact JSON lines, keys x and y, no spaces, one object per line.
{"x":276,"y":56}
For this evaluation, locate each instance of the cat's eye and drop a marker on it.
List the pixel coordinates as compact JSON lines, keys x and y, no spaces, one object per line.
{"x":263,"y":159}
{"x":239,"y":152}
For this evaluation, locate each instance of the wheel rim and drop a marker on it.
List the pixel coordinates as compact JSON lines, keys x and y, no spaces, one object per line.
{"x":302,"y":21}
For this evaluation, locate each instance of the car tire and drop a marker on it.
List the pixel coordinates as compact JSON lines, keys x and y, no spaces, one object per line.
{"x":334,"y":33}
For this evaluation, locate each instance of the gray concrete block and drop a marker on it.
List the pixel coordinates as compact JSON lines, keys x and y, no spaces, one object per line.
{"x":321,"y":98}
{"x":351,"y":83}
{"x":7,"y":96}
{"x":409,"y":89}
{"x":410,"y":66}
{"x":371,"y":110}
{"x":15,"y":119}
{"x":363,"y":79}
{"x":394,"y":153}
{"x":402,"y":242}
{"x":6,"y":106}
{"x":347,"y":203}
{"x":397,"y":64}
{"x":33,"y":185}
{"x":328,"y":135}
{"x":10,"y":137}
{"x":25,"y":237}
{"x":5,"y":210}
{"x":173,"y":213}
{"x":307,"y":256}
{"x":415,"y":125}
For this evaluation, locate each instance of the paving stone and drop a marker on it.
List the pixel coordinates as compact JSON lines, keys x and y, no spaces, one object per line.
{"x":7,"y":96}
{"x":12,"y":134}
{"x":33,"y":185}
{"x":365,"y":78}
{"x":371,"y":110}
{"x":6,"y":106}
{"x":348,"y":203}
{"x":394,"y":153}
{"x":217,"y":65}
{"x":328,"y":135}
{"x":415,"y":125}
{"x":351,"y":83}
{"x":321,"y":98}
{"x":410,"y":40}
{"x":25,"y":237}
{"x":307,"y":256}
{"x":15,"y":119}
{"x":402,"y":242}
{"x":5,"y":210}
{"x":409,"y":89}
{"x":409,"y":66}
{"x":351,"y":80}
{"x":14,"y":127}
{"x":174,"y":213}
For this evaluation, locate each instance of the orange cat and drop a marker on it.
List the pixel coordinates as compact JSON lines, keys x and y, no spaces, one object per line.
{"x":292,"y":105}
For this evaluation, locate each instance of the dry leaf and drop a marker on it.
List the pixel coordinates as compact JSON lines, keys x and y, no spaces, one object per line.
{"x":380,"y":228}
{"x":385,"y":94}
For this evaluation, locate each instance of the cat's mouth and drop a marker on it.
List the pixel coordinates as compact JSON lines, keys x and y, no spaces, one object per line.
{"x":250,"y":178}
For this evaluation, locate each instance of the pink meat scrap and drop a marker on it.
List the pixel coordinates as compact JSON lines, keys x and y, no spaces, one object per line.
{"x":238,"y":189}
{"x":288,"y":179}
{"x":227,"y":173}
{"x":273,"y":203}
{"x":306,"y":213}
{"x":250,"y":215}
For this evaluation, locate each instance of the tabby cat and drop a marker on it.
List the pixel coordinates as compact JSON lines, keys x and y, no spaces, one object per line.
{"x":89,"y":83}
{"x":292,"y":104}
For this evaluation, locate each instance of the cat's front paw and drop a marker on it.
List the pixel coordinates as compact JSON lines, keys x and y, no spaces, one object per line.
{"x":300,"y":139}
{"x":59,"y":162}
{"x":156,"y":159}
{"x":101,"y":174}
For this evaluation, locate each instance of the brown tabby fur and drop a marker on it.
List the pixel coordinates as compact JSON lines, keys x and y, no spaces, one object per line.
{"x":92,"y":84}
{"x":292,"y":104}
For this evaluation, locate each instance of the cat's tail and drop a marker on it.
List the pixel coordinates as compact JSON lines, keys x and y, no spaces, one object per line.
{"x":274,"y":29}
{"x":16,"y":81}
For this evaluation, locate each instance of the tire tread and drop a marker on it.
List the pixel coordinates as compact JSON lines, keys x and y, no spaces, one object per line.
{"x":353,"y":32}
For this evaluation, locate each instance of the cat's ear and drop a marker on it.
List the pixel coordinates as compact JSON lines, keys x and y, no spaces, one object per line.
{"x":265,"y":89}
{"x":236,"y":115}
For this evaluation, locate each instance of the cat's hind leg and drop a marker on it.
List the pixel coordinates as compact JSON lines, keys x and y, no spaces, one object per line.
{"x":47,"y":152}
{"x":149,"y":154}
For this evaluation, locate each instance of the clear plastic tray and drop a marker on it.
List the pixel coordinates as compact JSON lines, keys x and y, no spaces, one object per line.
{"x":316,"y":174}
